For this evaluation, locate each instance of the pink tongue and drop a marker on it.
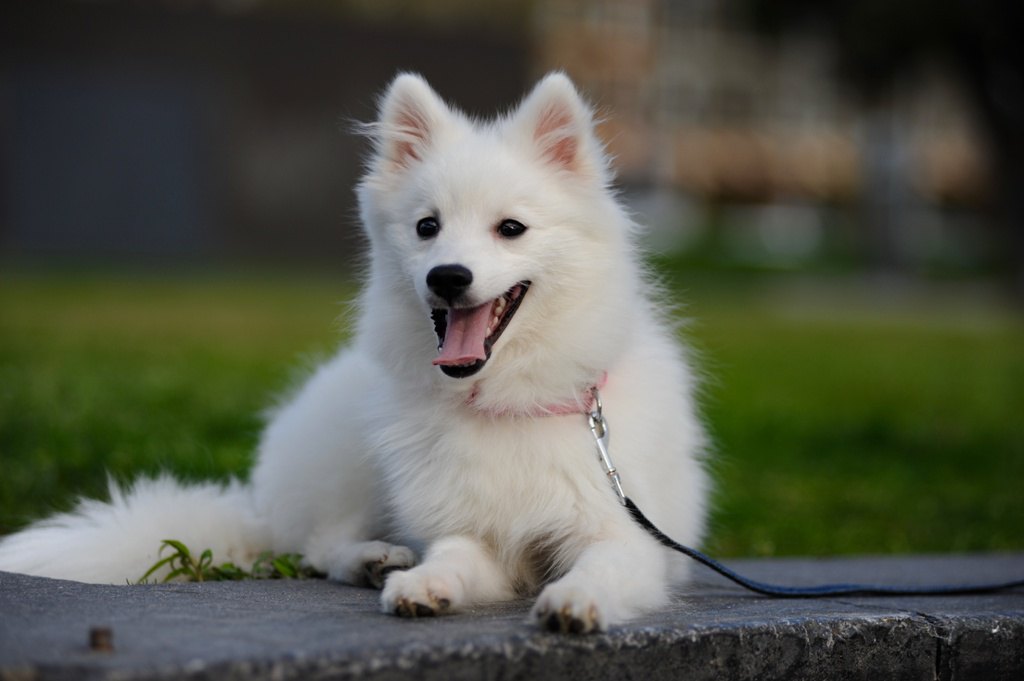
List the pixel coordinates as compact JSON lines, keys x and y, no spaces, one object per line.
{"x":464,"y":335}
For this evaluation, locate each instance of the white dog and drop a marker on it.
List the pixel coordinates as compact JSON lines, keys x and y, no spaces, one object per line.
{"x":504,"y":289}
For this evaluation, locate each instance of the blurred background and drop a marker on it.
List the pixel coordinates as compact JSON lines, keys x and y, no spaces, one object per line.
{"x":767,"y":133}
{"x":835,"y":191}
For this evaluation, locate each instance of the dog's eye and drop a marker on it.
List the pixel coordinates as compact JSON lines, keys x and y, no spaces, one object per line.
{"x":510,"y":229}
{"x":427,"y":228}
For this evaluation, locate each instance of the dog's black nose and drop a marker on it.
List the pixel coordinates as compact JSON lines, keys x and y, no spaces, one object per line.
{"x":449,"y":281}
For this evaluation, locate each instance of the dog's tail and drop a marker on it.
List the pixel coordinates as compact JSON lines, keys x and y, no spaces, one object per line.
{"x":118,"y":541}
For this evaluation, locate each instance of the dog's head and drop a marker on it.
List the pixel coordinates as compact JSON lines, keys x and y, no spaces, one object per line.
{"x":500,"y":230}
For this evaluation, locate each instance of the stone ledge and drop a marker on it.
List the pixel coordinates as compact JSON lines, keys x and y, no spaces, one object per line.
{"x":321,"y":630}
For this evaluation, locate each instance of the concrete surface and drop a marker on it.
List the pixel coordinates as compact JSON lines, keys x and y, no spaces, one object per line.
{"x":321,"y":630}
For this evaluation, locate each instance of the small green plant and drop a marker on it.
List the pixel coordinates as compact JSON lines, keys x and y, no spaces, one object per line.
{"x":184,"y":564}
{"x":280,"y":566}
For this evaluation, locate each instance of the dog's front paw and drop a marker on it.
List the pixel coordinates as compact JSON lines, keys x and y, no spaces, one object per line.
{"x":377,"y":566}
{"x":367,"y":563}
{"x":568,"y":609}
{"x":418,"y":593}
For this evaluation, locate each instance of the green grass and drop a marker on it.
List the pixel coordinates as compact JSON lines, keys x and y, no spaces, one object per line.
{"x":176,"y":561}
{"x":863,"y":423}
{"x":136,"y":374}
{"x":844,"y":421}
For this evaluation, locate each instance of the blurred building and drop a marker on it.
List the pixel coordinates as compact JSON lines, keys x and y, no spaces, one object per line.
{"x":217,"y":128}
{"x":699,"y":105}
{"x":205,"y":129}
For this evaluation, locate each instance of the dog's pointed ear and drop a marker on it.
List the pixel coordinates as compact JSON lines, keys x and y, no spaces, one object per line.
{"x":410,"y":116}
{"x":560,"y":126}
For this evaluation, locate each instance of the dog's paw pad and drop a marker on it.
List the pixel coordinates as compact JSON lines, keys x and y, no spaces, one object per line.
{"x":417,"y":593}
{"x":407,"y":607}
{"x":565,"y":621}
{"x":377,"y":569}
{"x":567,"y":611}
{"x":366,"y":563}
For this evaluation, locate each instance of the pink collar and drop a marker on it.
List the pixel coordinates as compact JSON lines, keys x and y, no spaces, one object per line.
{"x":580,"y":405}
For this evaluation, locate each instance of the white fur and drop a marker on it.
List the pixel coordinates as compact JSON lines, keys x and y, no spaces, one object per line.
{"x":380,"y":449}
{"x":117,"y":542}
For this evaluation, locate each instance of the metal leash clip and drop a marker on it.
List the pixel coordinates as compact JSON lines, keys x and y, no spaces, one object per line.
{"x":599,"y":428}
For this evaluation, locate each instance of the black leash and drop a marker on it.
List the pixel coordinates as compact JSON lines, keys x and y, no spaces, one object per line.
{"x":814,"y":591}
{"x":599,"y":428}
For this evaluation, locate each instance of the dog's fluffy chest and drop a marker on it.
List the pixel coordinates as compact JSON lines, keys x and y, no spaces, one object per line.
{"x":524,"y":486}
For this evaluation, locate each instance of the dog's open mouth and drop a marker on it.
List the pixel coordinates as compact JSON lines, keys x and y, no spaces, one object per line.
{"x":465,"y":336}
